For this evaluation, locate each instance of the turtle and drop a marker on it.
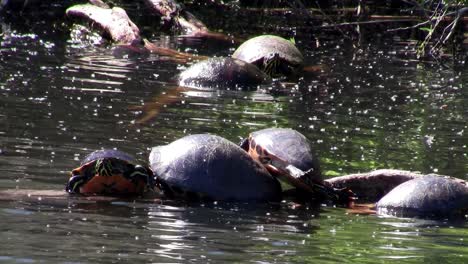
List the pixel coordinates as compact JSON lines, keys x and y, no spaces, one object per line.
{"x":426,"y":196}
{"x":223,"y":73}
{"x":209,"y":167}
{"x":288,"y":154}
{"x":110,"y":172}
{"x":274,"y":55}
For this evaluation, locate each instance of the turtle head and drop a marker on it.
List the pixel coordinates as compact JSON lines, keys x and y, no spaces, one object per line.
{"x":110,"y":176}
{"x":271,"y":63}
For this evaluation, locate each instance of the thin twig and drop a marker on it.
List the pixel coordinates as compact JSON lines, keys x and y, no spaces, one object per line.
{"x":422,"y":23}
{"x":452,"y":30}
{"x":366,"y":22}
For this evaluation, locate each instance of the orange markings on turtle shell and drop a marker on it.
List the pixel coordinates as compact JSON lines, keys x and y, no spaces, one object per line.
{"x":116,"y":183}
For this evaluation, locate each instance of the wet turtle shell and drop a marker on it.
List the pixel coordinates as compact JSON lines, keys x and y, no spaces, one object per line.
{"x":205,"y":166}
{"x":288,"y":154}
{"x":262,"y":49}
{"x":286,"y":144}
{"x":109,"y":172}
{"x":427,"y":196}
{"x":223,"y":73}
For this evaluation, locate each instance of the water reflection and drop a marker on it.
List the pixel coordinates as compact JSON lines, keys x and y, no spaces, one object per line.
{"x":365,"y":110}
{"x":222,"y":233}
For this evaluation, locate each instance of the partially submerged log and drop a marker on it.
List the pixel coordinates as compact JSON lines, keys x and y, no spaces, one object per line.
{"x":371,"y":186}
{"x":113,"y":23}
{"x":176,"y":17}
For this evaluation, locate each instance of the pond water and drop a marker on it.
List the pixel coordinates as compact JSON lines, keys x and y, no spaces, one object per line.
{"x":366,"y":108}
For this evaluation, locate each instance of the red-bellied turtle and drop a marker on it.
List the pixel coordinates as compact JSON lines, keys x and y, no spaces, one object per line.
{"x":205,"y":166}
{"x":272,"y":54}
{"x":427,"y":196}
{"x":223,"y":73}
{"x":287,"y":154}
{"x":110,"y":172}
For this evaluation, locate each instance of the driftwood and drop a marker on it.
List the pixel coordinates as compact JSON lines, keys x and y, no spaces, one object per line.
{"x":61,"y":197}
{"x":114,"y":23}
{"x":176,"y":17}
{"x":371,"y":186}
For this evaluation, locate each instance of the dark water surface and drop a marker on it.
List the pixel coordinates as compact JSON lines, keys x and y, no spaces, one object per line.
{"x":368,"y":108}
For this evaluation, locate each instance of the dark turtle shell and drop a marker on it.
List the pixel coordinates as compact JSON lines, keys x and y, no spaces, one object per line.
{"x":259,"y":49}
{"x":287,"y":144}
{"x":288,"y":154}
{"x":427,"y":196}
{"x":109,"y":172}
{"x":108,"y":153}
{"x":208,"y":166}
{"x":224,"y":74}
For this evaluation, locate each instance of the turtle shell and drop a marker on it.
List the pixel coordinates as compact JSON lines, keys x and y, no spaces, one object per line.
{"x":256,"y":49}
{"x":427,"y":196}
{"x":224,"y":74}
{"x":211,"y":167}
{"x":287,"y":144}
{"x":109,"y":172}
{"x":108,"y":153}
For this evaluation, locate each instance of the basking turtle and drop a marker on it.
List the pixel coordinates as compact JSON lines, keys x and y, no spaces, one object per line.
{"x":109,"y":172}
{"x":287,"y":154}
{"x":272,"y":54}
{"x":427,"y":196}
{"x":223,"y":73}
{"x":205,"y":166}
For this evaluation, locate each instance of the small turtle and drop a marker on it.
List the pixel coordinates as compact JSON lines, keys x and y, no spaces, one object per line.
{"x":223,"y":73}
{"x":110,"y":172}
{"x":272,"y":54}
{"x":205,"y":166}
{"x":287,"y":154}
{"x":427,"y":196}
